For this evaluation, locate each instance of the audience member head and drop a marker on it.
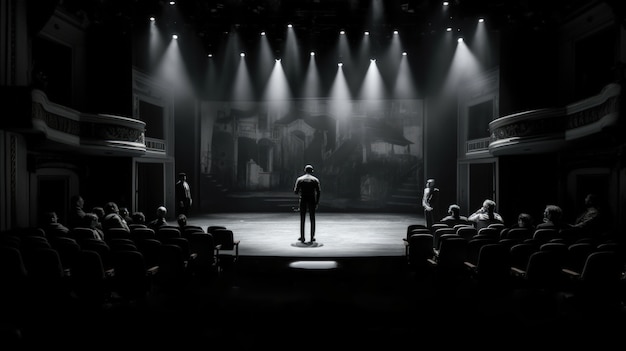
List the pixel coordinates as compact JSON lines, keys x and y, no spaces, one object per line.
{"x":138,"y":217}
{"x":308,"y":169}
{"x":161,"y":212}
{"x":90,"y":220}
{"x":78,"y":201}
{"x":124,"y":212}
{"x":99,"y":211}
{"x":430,"y":183}
{"x":50,"y":217}
{"x":591,"y":200}
{"x":524,"y":220}
{"x":111,"y":207}
{"x":454,"y":210}
{"x":552,"y":213}
{"x":182,"y":220}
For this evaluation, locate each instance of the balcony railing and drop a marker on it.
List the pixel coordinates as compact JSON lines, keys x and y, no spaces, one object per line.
{"x":546,"y":130}
{"x":88,"y":133}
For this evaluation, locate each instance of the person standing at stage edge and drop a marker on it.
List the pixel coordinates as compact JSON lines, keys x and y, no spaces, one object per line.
{"x":429,"y":202}
{"x":183,"y":195}
{"x":308,"y":188}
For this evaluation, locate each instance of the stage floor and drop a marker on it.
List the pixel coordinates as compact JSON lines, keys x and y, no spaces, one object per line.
{"x":337,"y":234}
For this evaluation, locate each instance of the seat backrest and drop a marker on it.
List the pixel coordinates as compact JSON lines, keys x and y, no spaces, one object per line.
{"x":489,"y":232}
{"x":544,"y":269}
{"x":519,"y":233}
{"x":602,"y":267}
{"x":577,"y":254}
{"x":418,"y":231}
{"x":203,"y":245}
{"x":493,"y":263}
{"x":139,"y":233}
{"x":543,"y":235}
{"x":210,"y":229}
{"x":466,"y":232}
{"x":130,"y":280}
{"x":452,"y":254}
{"x":225,"y":238}
{"x":166,"y":232}
{"x":520,"y":253}
{"x":474,"y":246}
{"x":420,"y":249}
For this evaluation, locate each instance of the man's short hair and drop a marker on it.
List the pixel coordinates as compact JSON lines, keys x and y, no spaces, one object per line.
{"x":308,"y":168}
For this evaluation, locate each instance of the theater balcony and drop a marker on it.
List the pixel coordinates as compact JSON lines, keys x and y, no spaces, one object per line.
{"x":552,"y":129}
{"x":52,"y":127}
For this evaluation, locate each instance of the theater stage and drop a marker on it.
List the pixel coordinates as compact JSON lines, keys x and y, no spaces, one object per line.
{"x":337,"y":234}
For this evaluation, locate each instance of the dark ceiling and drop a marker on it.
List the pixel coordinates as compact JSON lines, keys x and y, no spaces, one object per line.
{"x":314,"y":19}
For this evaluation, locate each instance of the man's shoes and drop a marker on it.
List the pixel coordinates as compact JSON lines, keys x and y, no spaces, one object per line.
{"x":301,"y":240}
{"x":312,"y":239}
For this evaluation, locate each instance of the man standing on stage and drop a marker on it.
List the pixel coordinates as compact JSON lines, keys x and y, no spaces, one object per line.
{"x":429,"y":202}
{"x":183,"y":195}
{"x":308,"y":188}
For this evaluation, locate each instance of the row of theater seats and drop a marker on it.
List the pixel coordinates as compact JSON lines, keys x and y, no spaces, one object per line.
{"x":37,"y":270}
{"x":591,"y":271}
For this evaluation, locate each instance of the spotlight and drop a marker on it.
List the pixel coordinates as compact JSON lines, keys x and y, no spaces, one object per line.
{"x":152,"y":19}
{"x":277,"y":60}
{"x":210,"y":55}
{"x":395,"y":32}
{"x":312,"y":53}
{"x":460,"y":40}
{"x":366,"y":33}
{"x":449,"y":29}
{"x":290,"y":25}
{"x":481,"y":20}
{"x":342,"y":32}
{"x":242,"y":54}
{"x":372,"y":60}
{"x":262,"y":33}
{"x":174,"y":36}
{"x":340,"y":64}
{"x":172,"y":3}
{"x":404,"y":53}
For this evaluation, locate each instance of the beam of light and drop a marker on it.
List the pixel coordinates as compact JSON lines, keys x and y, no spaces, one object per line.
{"x":372,"y":87}
{"x":156,"y":45}
{"x":340,"y":99}
{"x":464,"y":65}
{"x":312,"y":84}
{"x":277,"y":87}
{"x":242,"y":88}
{"x":405,"y":87}
{"x":292,"y":61}
{"x":171,"y":70}
{"x":481,"y":46}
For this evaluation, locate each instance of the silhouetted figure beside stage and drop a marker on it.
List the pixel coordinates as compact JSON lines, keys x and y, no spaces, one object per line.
{"x":429,"y":202}
{"x":52,"y":227}
{"x":308,"y":188}
{"x":183,"y":195}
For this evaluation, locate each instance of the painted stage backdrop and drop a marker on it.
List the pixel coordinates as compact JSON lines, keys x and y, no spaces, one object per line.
{"x":367,"y":154}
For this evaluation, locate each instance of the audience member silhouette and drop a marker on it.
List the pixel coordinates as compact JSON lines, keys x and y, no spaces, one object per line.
{"x":112,"y":218}
{"x":52,"y":227}
{"x":454,"y":216}
{"x":429,"y":202}
{"x":485,"y":215}
{"x":160,"y":219}
{"x":138,"y":218}
{"x":99,"y":211}
{"x":76,"y":212}
{"x":183,"y":195}
{"x":90,"y":220}
{"x":524,"y":220}
{"x":126,"y":215}
{"x":309,"y":190}
{"x":553,"y":218}
{"x":591,"y":221}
